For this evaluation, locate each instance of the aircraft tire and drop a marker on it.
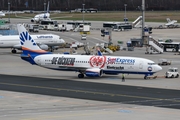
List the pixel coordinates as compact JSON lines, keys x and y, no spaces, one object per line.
{"x":177,"y":75}
{"x":80,"y":75}
{"x":13,"y":51}
{"x":145,"y":77}
{"x":51,"y":49}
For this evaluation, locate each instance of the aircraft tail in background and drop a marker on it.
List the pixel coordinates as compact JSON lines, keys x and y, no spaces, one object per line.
{"x":168,"y":20}
{"x":47,"y":8}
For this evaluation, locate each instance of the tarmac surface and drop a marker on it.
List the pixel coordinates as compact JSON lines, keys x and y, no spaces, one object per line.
{"x":30,"y":92}
{"x":92,"y":91}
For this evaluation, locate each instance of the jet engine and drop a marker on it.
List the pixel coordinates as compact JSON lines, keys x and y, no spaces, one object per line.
{"x":94,"y":72}
{"x":55,"y":47}
{"x":32,"y":20}
{"x":44,"y":47}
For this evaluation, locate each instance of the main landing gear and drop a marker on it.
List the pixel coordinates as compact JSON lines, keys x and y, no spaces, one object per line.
{"x":13,"y":51}
{"x":80,"y":75}
{"x":51,"y":49}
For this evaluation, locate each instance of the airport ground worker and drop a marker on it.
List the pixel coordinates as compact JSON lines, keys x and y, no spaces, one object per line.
{"x":123,"y":77}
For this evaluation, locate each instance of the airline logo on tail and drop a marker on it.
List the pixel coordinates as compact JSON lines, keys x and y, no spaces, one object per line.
{"x":28,"y":44}
{"x":25,"y":37}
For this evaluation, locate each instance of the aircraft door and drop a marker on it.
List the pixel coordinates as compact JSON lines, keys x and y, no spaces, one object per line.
{"x":141,"y":65}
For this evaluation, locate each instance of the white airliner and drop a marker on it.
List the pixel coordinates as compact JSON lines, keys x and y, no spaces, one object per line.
{"x":2,"y":14}
{"x":43,"y":16}
{"x":89,"y":65}
{"x":170,"y":22}
{"x":44,"y":41}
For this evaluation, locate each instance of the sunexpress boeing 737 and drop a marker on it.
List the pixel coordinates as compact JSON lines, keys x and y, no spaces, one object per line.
{"x":86,"y":65}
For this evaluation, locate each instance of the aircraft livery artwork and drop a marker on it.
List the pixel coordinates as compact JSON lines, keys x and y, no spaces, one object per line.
{"x":98,"y":61}
{"x":39,"y":37}
{"x":63,"y":61}
{"x":112,"y":60}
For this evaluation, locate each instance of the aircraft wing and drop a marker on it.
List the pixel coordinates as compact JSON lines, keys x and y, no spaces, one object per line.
{"x":18,"y":46}
{"x":74,"y":68}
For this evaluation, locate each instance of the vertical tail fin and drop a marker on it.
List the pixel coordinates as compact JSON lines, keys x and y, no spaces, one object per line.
{"x":29,"y":46}
{"x":99,"y":51}
{"x":168,"y":20}
{"x":47,"y":8}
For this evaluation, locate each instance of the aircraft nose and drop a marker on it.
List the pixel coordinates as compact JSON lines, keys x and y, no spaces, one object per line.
{"x":62,"y":41}
{"x":158,"y":68}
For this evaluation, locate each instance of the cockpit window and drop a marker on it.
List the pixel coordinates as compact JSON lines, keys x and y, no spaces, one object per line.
{"x":151,"y":63}
{"x":59,"y":37}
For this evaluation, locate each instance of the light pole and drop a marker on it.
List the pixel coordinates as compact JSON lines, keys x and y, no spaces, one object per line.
{"x":44,"y":7}
{"x":143,"y":20}
{"x":125,"y":19}
{"x":83,"y":12}
{"x":9,"y":12}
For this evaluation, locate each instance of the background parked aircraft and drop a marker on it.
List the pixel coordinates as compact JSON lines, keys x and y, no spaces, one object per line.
{"x":42,"y":17}
{"x":45,"y":41}
{"x":2,"y":14}
{"x":170,"y":22}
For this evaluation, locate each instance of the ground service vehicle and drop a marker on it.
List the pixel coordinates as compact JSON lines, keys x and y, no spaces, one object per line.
{"x":172,"y":73}
{"x":33,"y":28}
{"x":164,"y":62}
{"x":83,"y":37}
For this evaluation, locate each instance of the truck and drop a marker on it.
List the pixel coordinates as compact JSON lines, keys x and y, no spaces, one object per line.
{"x":172,"y":73}
{"x":83,"y":37}
{"x":33,"y":28}
{"x":164,"y":62}
{"x":83,"y":28}
{"x":69,"y":27}
{"x":78,"y":44}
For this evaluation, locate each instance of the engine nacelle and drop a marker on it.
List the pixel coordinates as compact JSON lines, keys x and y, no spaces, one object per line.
{"x":55,"y":47}
{"x":44,"y":47}
{"x":32,"y":20}
{"x":19,"y":47}
{"x":94,"y":72}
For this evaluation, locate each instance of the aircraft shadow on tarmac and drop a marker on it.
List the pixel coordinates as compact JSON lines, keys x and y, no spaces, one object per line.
{"x":9,"y":53}
{"x":92,"y":91}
